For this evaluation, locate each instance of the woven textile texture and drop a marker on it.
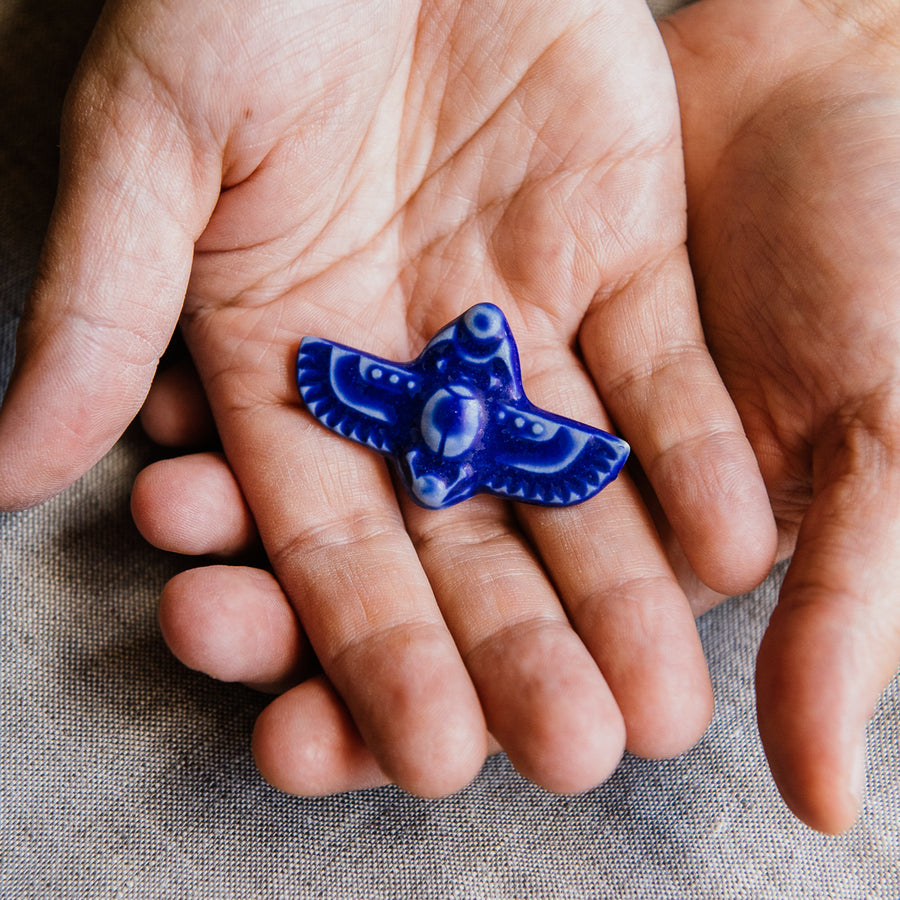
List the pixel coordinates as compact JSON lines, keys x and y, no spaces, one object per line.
{"x":123,"y":775}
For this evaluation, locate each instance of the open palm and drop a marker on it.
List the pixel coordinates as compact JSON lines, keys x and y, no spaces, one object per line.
{"x":365,"y":173}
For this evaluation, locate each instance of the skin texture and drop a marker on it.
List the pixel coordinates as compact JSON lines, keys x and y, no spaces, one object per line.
{"x":279,"y":169}
{"x":791,"y":116}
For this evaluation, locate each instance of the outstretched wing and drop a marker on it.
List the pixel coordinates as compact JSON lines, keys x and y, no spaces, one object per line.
{"x":361,"y":397}
{"x":538,"y":457}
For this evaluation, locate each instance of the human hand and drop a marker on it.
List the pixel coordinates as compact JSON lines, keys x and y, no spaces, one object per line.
{"x":300,"y":175}
{"x":232,"y":621}
{"x":791,"y":117}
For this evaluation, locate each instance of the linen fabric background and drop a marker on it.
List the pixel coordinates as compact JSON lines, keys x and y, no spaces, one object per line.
{"x":124,"y":775}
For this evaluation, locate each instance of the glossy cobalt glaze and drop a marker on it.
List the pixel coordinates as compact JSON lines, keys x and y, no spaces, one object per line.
{"x":456,"y":420}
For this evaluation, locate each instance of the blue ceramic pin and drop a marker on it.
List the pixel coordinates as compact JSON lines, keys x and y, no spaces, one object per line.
{"x":456,"y":420}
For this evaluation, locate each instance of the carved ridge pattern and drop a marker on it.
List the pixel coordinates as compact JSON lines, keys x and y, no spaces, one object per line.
{"x":455,"y":420}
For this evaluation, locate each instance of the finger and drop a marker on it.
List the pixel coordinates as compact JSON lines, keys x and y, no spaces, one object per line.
{"x":193,"y":505}
{"x":564,"y":738}
{"x":608,"y":566}
{"x":234,"y":624}
{"x":305,"y":743}
{"x":645,"y":349}
{"x":700,"y":597}
{"x":833,"y":642}
{"x":543,"y":696}
{"x":112,"y":277}
{"x":329,"y":520}
{"x":176,"y":412}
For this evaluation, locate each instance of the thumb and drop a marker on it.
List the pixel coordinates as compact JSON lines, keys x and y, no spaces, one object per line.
{"x":833,"y":642}
{"x":111,"y":282}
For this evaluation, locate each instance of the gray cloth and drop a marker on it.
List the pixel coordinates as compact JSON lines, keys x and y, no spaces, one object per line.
{"x":122,"y":775}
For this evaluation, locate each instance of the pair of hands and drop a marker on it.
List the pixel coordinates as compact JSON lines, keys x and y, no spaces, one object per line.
{"x":259,"y":173}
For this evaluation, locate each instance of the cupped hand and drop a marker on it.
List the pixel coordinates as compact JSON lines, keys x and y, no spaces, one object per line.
{"x":364,"y":173}
{"x":791,"y":118}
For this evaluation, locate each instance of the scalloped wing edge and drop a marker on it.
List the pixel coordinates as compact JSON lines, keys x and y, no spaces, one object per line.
{"x":317,"y":394}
